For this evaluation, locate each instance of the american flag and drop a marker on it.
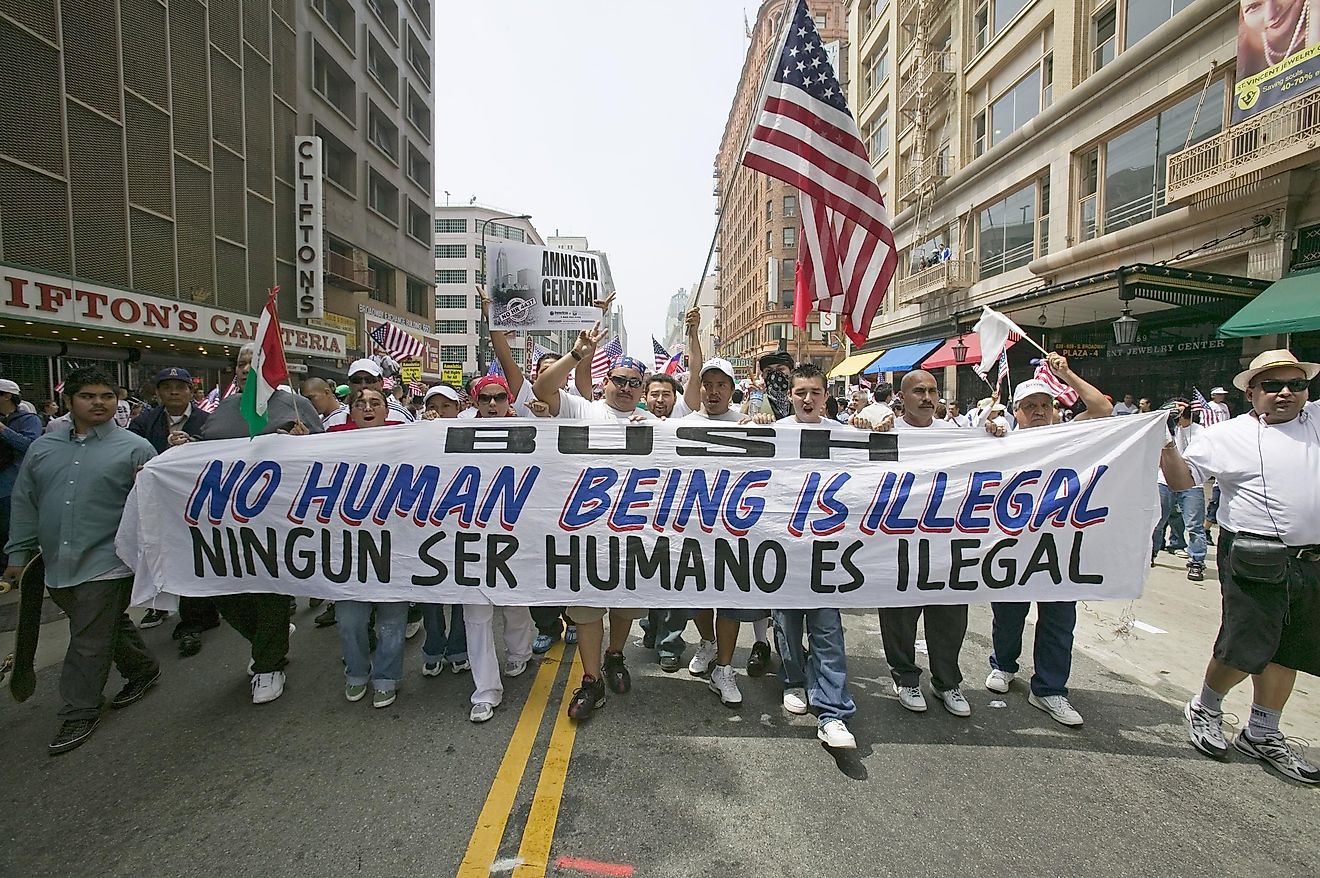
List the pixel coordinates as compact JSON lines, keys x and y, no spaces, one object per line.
{"x":537,"y":353}
{"x":494,"y":368}
{"x":807,"y":137}
{"x":661,"y":355}
{"x":1061,"y":390}
{"x":416,"y":388}
{"x":1003,"y":377}
{"x":864,"y":383}
{"x":397,"y":343}
{"x":600,"y":363}
{"x":1201,"y":404}
{"x":212,"y":400}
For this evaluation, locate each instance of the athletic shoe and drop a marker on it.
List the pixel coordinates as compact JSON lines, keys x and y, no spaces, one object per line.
{"x":1195,"y":571}
{"x":326,"y":617}
{"x":189,"y":645}
{"x":355,"y":692}
{"x":267,"y":687}
{"x":315,"y":602}
{"x":835,"y":734}
{"x":616,"y":673}
{"x":73,"y":734}
{"x":590,"y":696}
{"x":703,"y":659}
{"x":759,"y":661}
{"x":911,"y":698}
{"x":1181,"y":553}
{"x":293,"y":628}
{"x":459,"y":667}
{"x":513,"y":668}
{"x":1209,"y":540}
{"x":648,"y":638}
{"x":541,"y":645}
{"x":182,"y":628}
{"x":795,"y":701}
{"x":1205,"y":730}
{"x":134,"y":690}
{"x":481,"y":712}
{"x":410,"y":629}
{"x":1279,"y":755}
{"x":724,"y":683}
{"x":383,"y":699}
{"x":432,"y":669}
{"x":998,"y":681}
{"x":670,"y":663}
{"x":954,"y":701}
{"x":152,"y":618}
{"x":570,"y":635}
{"x":1058,"y":707}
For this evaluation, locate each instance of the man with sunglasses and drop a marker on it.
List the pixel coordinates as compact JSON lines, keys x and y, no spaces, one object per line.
{"x":366,"y":374}
{"x":1265,"y":462}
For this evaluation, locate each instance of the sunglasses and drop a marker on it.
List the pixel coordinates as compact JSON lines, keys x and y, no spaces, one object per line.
{"x":499,"y":397}
{"x":364,"y":379}
{"x":1296,"y":385}
{"x":621,"y":382}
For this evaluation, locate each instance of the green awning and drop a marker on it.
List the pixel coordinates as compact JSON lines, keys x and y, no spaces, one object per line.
{"x":1290,"y":304}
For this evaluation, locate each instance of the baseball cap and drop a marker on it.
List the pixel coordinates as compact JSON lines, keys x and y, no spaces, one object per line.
{"x":364,"y":365}
{"x":173,"y":373}
{"x":7,"y":386}
{"x":1028,"y":388}
{"x":1218,"y":390}
{"x":444,"y":390}
{"x":721,"y":364}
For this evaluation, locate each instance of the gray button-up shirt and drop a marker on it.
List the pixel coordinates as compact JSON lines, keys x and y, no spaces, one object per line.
{"x":69,"y":498}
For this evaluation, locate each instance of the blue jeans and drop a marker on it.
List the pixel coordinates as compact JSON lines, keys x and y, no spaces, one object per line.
{"x":386,"y":670}
{"x":1191,"y":506}
{"x":824,"y":671}
{"x":669,"y":626}
{"x":439,"y":646}
{"x":1052,"y":654}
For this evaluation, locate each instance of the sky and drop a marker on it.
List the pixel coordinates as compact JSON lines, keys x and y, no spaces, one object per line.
{"x":600,"y":118}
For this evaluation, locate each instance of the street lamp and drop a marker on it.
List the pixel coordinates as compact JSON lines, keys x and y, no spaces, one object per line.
{"x":1125,"y":327}
{"x":482,"y":356}
{"x":960,"y":351}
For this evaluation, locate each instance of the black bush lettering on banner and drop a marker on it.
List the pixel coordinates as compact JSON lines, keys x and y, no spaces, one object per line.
{"x":490,"y":440}
{"x":740,"y":438}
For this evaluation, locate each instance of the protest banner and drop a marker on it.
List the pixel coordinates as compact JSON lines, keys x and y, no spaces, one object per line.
{"x":667,"y":515}
{"x":452,"y":374}
{"x":535,"y":287}
{"x":410,"y":370}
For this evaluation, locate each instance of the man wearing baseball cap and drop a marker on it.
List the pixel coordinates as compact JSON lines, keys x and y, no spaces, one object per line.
{"x":441,"y":401}
{"x":366,"y":373}
{"x":18,"y":430}
{"x":1033,"y":406}
{"x":1268,"y":555}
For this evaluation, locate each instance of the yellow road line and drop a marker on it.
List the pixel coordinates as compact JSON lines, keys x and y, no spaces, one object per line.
{"x":484,"y":845}
{"x":534,"y":852}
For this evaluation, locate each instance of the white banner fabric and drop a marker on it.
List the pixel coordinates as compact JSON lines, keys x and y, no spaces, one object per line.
{"x":676,"y":514}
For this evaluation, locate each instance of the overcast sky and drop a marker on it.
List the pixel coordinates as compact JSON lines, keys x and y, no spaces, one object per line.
{"x":599,"y":118}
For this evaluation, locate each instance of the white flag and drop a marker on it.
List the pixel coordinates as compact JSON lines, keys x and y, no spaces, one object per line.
{"x":994,"y":331}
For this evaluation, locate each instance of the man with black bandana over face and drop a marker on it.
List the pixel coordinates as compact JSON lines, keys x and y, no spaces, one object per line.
{"x":775,"y":368}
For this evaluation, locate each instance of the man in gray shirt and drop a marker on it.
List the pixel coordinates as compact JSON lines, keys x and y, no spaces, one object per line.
{"x":67,"y":503}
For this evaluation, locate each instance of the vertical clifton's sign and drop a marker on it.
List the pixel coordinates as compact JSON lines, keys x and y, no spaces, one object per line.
{"x":311,"y":268}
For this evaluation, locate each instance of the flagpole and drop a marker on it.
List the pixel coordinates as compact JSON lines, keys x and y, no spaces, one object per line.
{"x":297,"y":416}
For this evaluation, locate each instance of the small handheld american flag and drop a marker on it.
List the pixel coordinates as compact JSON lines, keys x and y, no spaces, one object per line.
{"x":398,"y":343}
{"x":1200,"y":404}
{"x":1063,"y":392}
{"x":212,"y":400}
{"x":416,"y":388}
{"x":600,"y":362}
{"x":661,"y":355}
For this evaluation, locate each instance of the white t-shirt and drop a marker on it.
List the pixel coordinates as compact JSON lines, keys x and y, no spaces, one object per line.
{"x":1266,"y":474}
{"x":1221,"y":408}
{"x":732,"y":415}
{"x":937,"y":424}
{"x":1122,"y":408}
{"x":958,"y":421}
{"x":681,"y":409}
{"x":1182,"y":437}
{"x":875,"y":412}
{"x":595,"y":410}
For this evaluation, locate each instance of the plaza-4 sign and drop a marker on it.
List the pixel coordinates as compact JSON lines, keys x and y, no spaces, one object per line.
{"x":49,"y":298}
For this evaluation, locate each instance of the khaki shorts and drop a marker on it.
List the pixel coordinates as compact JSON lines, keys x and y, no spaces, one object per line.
{"x":586,"y":615}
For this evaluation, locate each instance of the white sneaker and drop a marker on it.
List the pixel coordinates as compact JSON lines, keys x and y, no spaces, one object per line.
{"x":835,"y":734}
{"x":795,"y":701}
{"x":1056,"y":706}
{"x":514,"y":668}
{"x":460,"y":667}
{"x":481,"y":711}
{"x":410,"y":629}
{"x":998,"y":681}
{"x":432,"y":670}
{"x":292,"y":628}
{"x":703,"y":659}
{"x":954,"y":702}
{"x":911,"y":698}
{"x":1279,"y":754}
{"x":1205,"y":729}
{"x":267,"y":687}
{"x":724,"y":682}
{"x":251,"y":664}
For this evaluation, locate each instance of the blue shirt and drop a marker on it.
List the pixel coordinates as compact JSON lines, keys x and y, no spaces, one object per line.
{"x":69,"y":498}
{"x":21,"y":430}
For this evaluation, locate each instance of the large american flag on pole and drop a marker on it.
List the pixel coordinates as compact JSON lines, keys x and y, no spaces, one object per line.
{"x":807,"y":137}
{"x":398,"y":343}
{"x":600,"y":361}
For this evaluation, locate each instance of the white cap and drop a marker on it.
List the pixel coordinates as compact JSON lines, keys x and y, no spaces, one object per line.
{"x":7,"y":386}
{"x":364,"y":365}
{"x":1218,"y":390}
{"x":444,"y":390}
{"x":723,"y":365}
{"x":1030,"y":387}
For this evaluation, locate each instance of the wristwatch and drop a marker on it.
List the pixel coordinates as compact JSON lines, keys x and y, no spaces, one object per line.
{"x":575,"y":354}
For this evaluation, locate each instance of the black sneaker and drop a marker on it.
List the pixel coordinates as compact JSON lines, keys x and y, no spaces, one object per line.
{"x":134,"y":690}
{"x":616,"y":673}
{"x":1195,"y":571}
{"x":190,"y":645}
{"x":73,"y":734}
{"x":1209,"y":540}
{"x":670,"y":663}
{"x":326,"y":617}
{"x":759,"y":661}
{"x":152,"y":618}
{"x":587,"y":698}
{"x":648,"y":639}
{"x":315,"y":602}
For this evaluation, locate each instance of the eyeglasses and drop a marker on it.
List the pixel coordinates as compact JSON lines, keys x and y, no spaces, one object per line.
{"x":1296,"y":385}
{"x":499,"y":397}
{"x":368,"y":404}
{"x":621,"y":382}
{"x":363,"y":379}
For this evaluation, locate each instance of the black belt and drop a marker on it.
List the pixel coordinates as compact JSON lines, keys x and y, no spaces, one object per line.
{"x":1302,"y":553}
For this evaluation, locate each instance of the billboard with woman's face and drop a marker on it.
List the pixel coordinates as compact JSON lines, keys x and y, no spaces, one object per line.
{"x":1278,"y":53}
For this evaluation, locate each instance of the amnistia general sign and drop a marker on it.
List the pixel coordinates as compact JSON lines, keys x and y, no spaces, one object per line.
{"x":308,"y":257}
{"x":535,"y":287}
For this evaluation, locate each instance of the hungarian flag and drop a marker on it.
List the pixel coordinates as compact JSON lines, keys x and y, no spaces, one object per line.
{"x":268,"y":370}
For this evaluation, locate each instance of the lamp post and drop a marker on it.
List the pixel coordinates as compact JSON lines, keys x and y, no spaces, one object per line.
{"x":960,"y":351}
{"x":1125,"y":327}
{"x":483,"y":341}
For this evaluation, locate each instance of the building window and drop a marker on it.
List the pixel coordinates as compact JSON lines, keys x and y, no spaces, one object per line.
{"x":978,"y":134}
{"x":382,"y":197}
{"x":381,"y":68}
{"x":787,"y":269}
{"x":450,"y":226}
{"x":423,"y":10}
{"x":1104,"y":37}
{"x":339,"y":15}
{"x":769,"y":240}
{"x":1143,"y":16}
{"x":877,"y":135}
{"x":790,"y":237}
{"x":1121,"y":182}
{"x":1011,"y":110}
{"x":449,"y":300}
{"x":419,"y":114}
{"x":418,"y":58}
{"x":383,"y":291}
{"x":454,"y":353}
{"x":877,"y":67}
{"x":1007,"y":231}
{"x":769,"y":210}
{"x":388,"y":13}
{"x":416,"y":297}
{"x":338,"y":161}
{"x":333,"y":83}
{"x":500,"y":230}
{"x":451,"y":275}
{"x":820,"y":21}
{"x":382,"y":132}
{"x":991,"y":17}
{"x":419,"y":222}
{"x":453,"y":327}
{"x":419,"y":167}
{"x":451,"y":251}
{"x":790,"y":205}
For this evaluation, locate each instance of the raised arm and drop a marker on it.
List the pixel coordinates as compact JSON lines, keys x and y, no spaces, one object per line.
{"x":499,"y":342}
{"x":692,"y":393}
{"x":548,"y":383}
{"x":1096,"y":404}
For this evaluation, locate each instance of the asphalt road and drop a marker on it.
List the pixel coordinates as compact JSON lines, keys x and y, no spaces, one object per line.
{"x":665,"y":781}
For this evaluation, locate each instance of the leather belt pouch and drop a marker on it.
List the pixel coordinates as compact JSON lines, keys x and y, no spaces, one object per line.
{"x":1259,"y":560}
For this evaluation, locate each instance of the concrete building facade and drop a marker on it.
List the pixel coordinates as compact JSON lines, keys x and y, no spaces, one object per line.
{"x":1064,"y":160}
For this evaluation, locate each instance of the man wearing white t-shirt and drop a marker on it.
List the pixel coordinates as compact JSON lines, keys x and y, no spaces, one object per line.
{"x":366,"y":373}
{"x":1268,"y":554}
{"x":1190,"y":503}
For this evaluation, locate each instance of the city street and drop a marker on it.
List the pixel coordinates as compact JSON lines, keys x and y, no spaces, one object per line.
{"x":665,"y":781}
